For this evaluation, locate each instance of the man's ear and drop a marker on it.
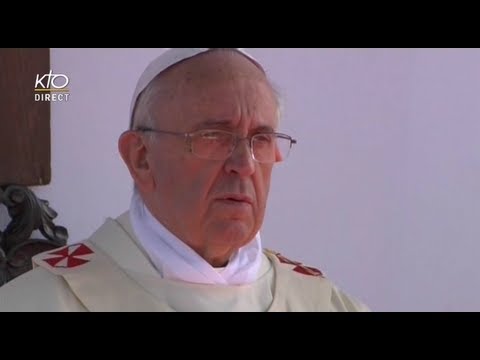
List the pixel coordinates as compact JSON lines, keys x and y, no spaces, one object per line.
{"x":134,"y":152}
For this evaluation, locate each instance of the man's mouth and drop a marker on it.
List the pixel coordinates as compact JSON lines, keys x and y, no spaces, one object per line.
{"x":237,"y":198}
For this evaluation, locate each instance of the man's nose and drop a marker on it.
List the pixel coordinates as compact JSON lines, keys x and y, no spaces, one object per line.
{"x":241,"y":160}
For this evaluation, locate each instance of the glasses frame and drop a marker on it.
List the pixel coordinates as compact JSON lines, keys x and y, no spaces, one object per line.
{"x":188,"y":136}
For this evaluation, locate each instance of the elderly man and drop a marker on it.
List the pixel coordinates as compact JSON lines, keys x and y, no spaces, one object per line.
{"x":201,"y":146}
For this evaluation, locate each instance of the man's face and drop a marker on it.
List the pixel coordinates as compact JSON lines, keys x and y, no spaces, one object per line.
{"x":213,"y":206}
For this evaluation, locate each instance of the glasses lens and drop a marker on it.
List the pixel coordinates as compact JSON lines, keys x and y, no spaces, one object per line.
{"x":212,"y":144}
{"x":218,"y":145}
{"x":270,"y":148}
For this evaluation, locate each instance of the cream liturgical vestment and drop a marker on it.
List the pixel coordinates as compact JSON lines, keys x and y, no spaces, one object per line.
{"x":111,"y":272}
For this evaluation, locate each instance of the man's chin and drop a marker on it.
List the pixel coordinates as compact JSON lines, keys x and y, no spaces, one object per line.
{"x":235,"y":231}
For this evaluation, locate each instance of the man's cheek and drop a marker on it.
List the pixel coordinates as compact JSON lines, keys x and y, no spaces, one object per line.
{"x":190,"y":193}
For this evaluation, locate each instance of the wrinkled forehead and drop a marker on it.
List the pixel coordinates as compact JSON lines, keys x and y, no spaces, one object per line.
{"x":215,"y":86}
{"x":172,"y":59}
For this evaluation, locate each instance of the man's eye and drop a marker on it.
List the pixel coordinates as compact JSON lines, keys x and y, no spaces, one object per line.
{"x":263,"y":138}
{"x":212,"y":135}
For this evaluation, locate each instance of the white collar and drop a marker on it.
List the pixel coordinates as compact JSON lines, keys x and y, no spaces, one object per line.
{"x":177,"y":261}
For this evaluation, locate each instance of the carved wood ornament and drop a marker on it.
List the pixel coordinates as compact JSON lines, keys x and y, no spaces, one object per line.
{"x":27,"y":213}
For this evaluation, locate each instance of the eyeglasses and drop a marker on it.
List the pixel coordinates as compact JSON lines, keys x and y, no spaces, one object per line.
{"x":212,"y":144}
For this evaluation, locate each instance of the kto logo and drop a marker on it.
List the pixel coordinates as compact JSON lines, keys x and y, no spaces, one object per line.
{"x":51,"y":87}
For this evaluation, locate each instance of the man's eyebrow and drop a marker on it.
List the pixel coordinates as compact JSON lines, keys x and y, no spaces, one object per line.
{"x":227,"y":124}
{"x":215,"y":123}
{"x":263,"y":129}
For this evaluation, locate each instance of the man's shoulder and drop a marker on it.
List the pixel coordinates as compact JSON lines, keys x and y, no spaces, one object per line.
{"x":44,"y":288}
{"x":343,"y":302}
{"x":109,"y":239}
{"x":295,"y":267}
{"x":311,"y":282}
{"x":37,"y":290}
{"x":63,"y":260}
{"x":111,"y":245}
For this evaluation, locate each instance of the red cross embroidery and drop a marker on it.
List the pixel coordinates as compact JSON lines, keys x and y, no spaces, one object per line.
{"x":299,"y":267}
{"x":285,"y":260}
{"x":307,"y":270}
{"x":69,"y":257}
